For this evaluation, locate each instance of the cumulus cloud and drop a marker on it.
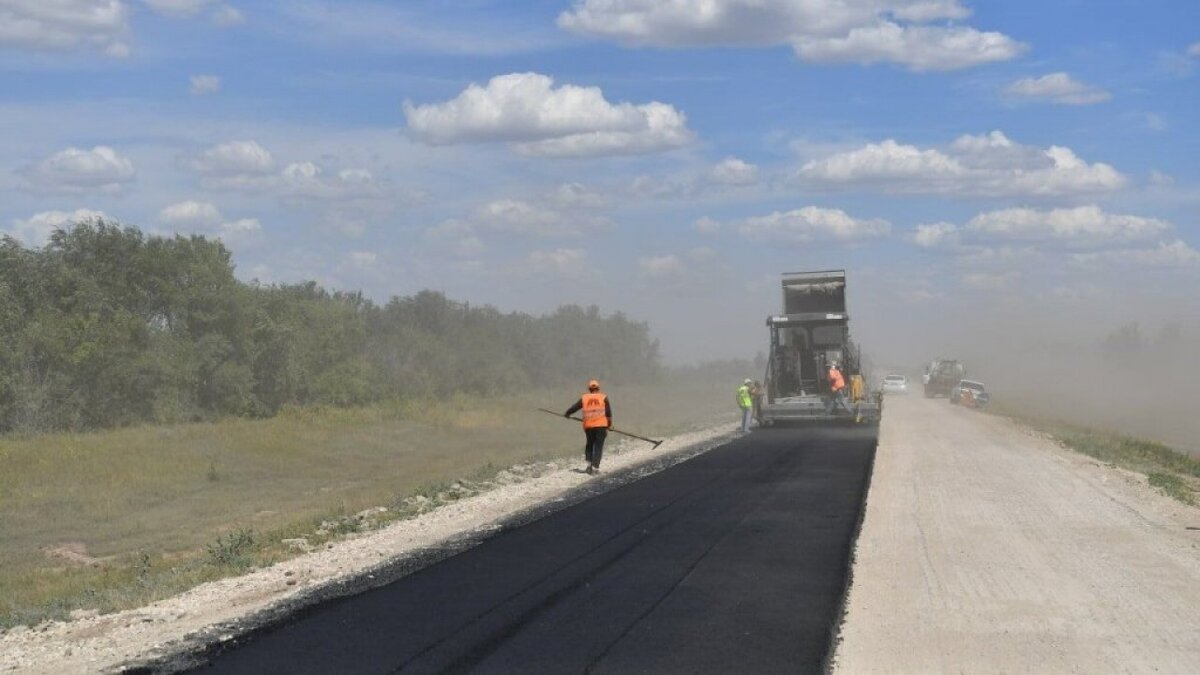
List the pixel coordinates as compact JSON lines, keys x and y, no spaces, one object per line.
{"x":222,"y":15}
{"x":1085,"y":236}
{"x":234,"y":159}
{"x":177,"y":7}
{"x":568,"y":218}
{"x":527,"y":110}
{"x":306,"y":180}
{"x":228,"y":16}
{"x":913,"y":33}
{"x":569,"y":263}
{"x":810,"y":224}
{"x":1174,"y":254}
{"x":205,"y":218}
{"x":989,"y":281}
{"x":458,"y":235}
{"x":920,"y":48}
{"x":987,"y":165}
{"x":518,"y":217}
{"x":35,"y":231}
{"x":191,"y":214}
{"x":74,"y":170}
{"x":1083,"y":226}
{"x":706,"y":225}
{"x":1057,"y":88}
{"x":733,"y":171}
{"x":577,"y":195}
{"x":935,"y":235}
{"x":346,"y":200}
{"x":661,"y":266}
{"x":204,"y":84}
{"x":64,"y":25}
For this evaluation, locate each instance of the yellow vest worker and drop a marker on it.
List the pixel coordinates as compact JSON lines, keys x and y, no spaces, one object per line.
{"x":597,"y":420}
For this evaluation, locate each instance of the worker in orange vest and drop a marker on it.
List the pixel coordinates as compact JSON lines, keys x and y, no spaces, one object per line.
{"x":597,"y":420}
{"x":837,"y":384}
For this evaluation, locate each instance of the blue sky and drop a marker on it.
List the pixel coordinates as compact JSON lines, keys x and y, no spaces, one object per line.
{"x":1024,"y":165}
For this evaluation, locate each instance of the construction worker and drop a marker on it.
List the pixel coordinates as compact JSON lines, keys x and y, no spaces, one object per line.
{"x":597,"y":420}
{"x":837,"y":384}
{"x":746,"y":402}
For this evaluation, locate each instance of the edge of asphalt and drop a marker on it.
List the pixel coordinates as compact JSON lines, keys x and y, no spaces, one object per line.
{"x":197,"y":648}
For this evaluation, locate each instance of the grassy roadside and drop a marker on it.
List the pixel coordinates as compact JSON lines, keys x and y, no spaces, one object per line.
{"x":1171,"y":471}
{"x":118,"y":519}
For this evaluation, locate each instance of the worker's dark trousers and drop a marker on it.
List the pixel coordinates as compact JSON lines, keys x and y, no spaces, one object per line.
{"x":594,"y":448}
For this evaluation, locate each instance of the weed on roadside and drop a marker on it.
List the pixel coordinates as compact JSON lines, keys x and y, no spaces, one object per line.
{"x":233,"y":549}
{"x":1172,"y":486}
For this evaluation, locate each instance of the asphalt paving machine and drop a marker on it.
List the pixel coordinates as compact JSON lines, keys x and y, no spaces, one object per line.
{"x":812,"y":332}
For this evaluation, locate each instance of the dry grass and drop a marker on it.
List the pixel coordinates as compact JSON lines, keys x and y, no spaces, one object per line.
{"x":159,"y":509}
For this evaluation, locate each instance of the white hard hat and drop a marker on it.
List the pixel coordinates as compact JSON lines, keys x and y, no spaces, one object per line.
{"x":748,"y":381}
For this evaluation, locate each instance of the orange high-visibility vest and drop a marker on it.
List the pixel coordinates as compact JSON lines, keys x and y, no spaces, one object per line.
{"x":594,"y":410}
{"x":836,"y":382}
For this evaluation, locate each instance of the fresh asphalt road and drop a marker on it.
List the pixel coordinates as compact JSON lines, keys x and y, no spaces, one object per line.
{"x":733,"y":561}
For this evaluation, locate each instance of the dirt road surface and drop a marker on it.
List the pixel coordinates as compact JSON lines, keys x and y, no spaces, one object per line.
{"x":986,"y":548}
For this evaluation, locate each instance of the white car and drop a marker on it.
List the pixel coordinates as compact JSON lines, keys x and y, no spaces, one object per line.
{"x":895,"y":384}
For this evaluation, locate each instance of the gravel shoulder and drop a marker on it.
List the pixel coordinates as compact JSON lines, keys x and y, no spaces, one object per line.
{"x":988,"y":548}
{"x":153,"y":635}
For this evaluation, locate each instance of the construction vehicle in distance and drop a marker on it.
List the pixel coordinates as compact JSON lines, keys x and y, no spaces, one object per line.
{"x":941,"y":375}
{"x":813,"y":332}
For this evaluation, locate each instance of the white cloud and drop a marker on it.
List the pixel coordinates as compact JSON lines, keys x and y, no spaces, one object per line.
{"x":1057,"y":88}
{"x":74,"y":170}
{"x":306,"y":180}
{"x":362,"y":258}
{"x":1084,"y":226}
{"x":1194,"y":50}
{"x":205,"y":218}
{"x":204,"y":84}
{"x":519,"y":217}
{"x":987,"y":165}
{"x":1160,"y":179}
{"x":223,"y":15}
{"x":576,"y":195}
{"x":242,"y":230}
{"x":733,"y":171}
{"x":936,"y":235}
{"x":855,"y":31}
{"x":812,"y":223}
{"x":64,"y":25}
{"x":706,"y":225}
{"x":234,"y":159}
{"x":35,"y":231}
{"x":661,"y":266}
{"x":1166,"y":254}
{"x":989,"y":281}
{"x":920,"y":48}
{"x":227,"y":15}
{"x":562,"y":262}
{"x":539,"y":119}
{"x":459,"y":235}
{"x":177,"y":7}
{"x":191,"y":214}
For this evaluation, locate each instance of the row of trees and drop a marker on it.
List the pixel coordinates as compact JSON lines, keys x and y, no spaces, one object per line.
{"x":106,"y":326}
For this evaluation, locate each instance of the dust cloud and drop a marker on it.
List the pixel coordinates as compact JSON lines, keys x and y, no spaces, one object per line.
{"x":1140,"y":380}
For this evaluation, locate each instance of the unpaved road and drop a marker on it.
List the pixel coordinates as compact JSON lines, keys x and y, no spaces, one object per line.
{"x":988,"y":549}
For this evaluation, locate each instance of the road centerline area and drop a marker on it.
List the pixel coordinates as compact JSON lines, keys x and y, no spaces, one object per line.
{"x":733,"y":560}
